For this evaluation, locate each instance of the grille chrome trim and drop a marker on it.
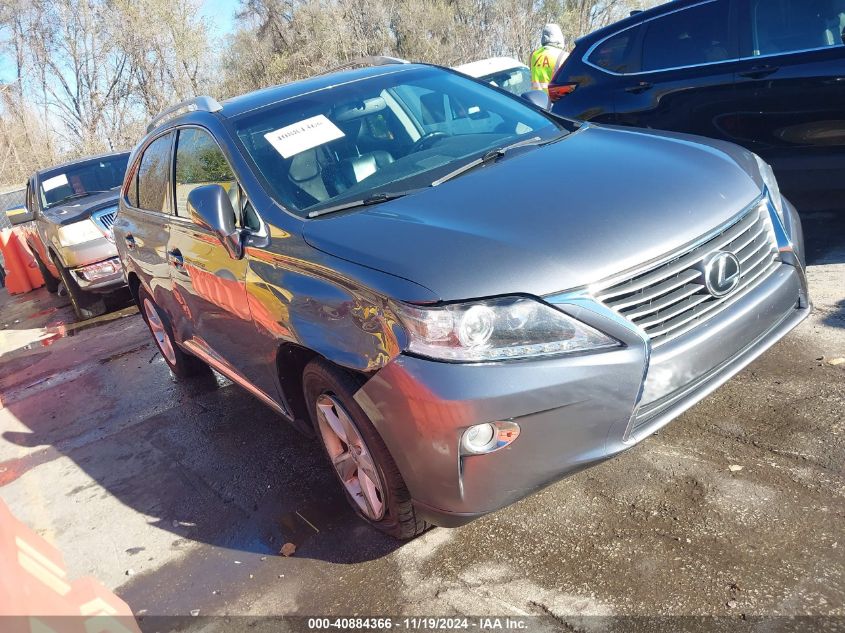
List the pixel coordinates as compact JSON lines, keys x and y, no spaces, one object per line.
{"x":668,"y":298}
{"x":105,"y":219}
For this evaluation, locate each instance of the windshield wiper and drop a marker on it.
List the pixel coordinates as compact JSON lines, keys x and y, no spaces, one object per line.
{"x":487,"y":157}
{"x":376,"y":198}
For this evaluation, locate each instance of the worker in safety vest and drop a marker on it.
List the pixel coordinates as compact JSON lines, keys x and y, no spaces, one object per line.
{"x":548,"y":58}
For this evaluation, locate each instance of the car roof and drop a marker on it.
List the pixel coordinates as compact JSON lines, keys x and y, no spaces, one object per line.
{"x":490,"y":65}
{"x":660,"y":9}
{"x":79,"y":161}
{"x":258,"y":99}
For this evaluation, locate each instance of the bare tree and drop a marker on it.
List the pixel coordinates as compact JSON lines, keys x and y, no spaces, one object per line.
{"x":282,"y":40}
{"x":90,"y":73}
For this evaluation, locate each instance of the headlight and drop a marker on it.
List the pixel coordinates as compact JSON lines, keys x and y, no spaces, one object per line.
{"x":772,"y":187}
{"x":497,"y":329}
{"x":78,"y":232}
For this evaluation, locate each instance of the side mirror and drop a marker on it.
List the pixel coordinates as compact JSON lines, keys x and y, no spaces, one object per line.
{"x":539,"y":98}
{"x":210,"y":207}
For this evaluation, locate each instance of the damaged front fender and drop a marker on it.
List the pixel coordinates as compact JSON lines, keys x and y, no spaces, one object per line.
{"x":347,"y":321}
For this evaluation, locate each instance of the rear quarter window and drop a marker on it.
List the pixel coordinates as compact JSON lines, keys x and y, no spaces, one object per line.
{"x":616,"y":53}
{"x":153,"y":175}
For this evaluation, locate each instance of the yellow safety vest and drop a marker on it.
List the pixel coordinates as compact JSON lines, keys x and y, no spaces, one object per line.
{"x":544,"y":62}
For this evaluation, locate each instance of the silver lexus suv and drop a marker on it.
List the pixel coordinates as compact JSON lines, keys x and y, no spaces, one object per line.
{"x":463,"y":297}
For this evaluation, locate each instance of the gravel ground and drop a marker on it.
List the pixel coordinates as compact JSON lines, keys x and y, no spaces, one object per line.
{"x":180,"y":496}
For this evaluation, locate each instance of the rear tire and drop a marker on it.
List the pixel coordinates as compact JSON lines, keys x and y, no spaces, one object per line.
{"x":86,"y":305}
{"x":181,"y":364}
{"x":50,"y":282}
{"x":385,"y":503}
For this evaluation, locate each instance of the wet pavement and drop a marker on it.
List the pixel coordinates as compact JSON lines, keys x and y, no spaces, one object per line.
{"x":180,"y":495}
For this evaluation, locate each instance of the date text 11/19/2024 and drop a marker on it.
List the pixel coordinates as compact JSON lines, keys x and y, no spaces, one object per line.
{"x":420,"y":623}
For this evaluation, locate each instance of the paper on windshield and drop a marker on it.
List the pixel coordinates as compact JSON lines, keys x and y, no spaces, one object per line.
{"x":54,"y":182}
{"x":307,"y":134}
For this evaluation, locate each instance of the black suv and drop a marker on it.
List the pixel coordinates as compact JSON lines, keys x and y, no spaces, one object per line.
{"x":766,"y":74}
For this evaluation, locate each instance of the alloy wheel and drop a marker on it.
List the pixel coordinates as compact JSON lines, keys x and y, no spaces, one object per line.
{"x":160,"y":334}
{"x":350,"y":456}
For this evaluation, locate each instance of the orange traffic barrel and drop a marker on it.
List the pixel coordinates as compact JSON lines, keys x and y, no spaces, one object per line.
{"x":17,"y":279}
{"x":33,"y":273}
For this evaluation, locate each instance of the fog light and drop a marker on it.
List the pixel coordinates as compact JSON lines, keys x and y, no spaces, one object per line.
{"x":488,"y":437}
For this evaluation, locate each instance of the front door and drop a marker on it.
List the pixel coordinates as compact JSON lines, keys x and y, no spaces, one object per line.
{"x":791,"y":87}
{"x":208,"y":284}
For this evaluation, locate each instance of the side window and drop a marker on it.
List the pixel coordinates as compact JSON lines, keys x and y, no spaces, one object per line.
{"x":698,"y":35}
{"x":153,"y":175}
{"x":199,"y":161}
{"x":615,"y":53}
{"x":784,"y":26}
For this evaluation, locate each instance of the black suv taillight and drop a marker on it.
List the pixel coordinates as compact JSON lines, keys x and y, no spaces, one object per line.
{"x":556,"y":91}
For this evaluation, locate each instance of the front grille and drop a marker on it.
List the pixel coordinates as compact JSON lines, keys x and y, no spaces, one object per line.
{"x":669,"y":299}
{"x":105,"y":220}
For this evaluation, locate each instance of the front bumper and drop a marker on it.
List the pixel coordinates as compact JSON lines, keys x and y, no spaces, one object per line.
{"x":85,"y":253}
{"x":572,"y":411}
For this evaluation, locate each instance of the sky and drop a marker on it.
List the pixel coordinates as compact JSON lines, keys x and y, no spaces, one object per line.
{"x":220,"y":13}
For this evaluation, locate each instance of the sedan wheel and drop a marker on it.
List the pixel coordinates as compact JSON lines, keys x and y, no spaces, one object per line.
{"x":350,"y":456}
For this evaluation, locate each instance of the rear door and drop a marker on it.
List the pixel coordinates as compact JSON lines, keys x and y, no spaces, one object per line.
{"x":208,"y":283}
{"x":791,"y":89}
{"x":684,"y":79}
{"x":143,"y":224}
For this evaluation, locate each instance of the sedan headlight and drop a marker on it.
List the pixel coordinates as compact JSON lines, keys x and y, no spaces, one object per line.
{"x":772,"y":187}
{"x":496,"y":329}
{"x":78,"y":232}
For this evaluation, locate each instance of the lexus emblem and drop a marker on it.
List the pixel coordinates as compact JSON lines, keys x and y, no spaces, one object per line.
{"x":721,"y":273}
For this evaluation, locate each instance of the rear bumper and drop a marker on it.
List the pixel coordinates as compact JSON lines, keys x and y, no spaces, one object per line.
{"x":572,"y":411}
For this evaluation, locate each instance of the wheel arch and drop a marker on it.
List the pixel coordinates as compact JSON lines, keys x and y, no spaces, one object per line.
{"x":134,"y":283}
{"x":291,"y":361}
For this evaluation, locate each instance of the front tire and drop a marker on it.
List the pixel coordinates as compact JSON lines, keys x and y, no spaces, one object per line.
{"x":367,"y":473}
{"x":86,"y":305}
{"x":50,"y":282}
{"x":182,"y":364}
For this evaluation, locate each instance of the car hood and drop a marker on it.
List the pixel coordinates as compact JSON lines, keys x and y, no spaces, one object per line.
{"x":599,"y":202}
{"x":81,"y":208}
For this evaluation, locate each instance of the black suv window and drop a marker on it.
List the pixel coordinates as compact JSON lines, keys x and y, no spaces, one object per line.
{"x":784,"y":26}
{"x":697,"y":35}
{"x":614,"y":53}
{"x":152,"y":175}
{"x":199,"y":161}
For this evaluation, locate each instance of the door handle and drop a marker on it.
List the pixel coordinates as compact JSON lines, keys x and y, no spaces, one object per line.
{"x":640,"y":87}
{"x":130,"y":241}
{"x":176,"y":259}
{"x":759,"y":72}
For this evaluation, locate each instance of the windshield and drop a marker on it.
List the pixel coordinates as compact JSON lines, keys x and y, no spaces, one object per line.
{"x":381,"y":135}
{"x":514,"y":80}
{"x":82,"y":179}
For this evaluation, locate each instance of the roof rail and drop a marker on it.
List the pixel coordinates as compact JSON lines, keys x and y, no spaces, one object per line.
{"x":203,"y":104}
{"x":369,"y":60}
